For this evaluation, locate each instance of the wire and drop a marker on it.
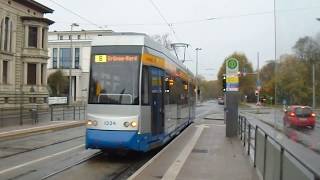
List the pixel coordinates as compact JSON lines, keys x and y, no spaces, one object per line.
{"x":76,"y":14}
{"x":170,"y":25}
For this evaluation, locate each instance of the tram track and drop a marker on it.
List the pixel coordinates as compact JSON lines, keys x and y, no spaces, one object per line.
{"x":39,"y":147}
{"x":72,"y":165}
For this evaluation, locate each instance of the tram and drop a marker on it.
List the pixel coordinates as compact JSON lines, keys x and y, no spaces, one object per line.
{"x":140,"y":95}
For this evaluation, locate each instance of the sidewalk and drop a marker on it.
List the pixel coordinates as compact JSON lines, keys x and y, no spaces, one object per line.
{"x":21,"y":131}
{"x":201,"y":152}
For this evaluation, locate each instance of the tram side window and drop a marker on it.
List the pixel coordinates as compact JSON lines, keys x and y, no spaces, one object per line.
{"x":145,"y":86}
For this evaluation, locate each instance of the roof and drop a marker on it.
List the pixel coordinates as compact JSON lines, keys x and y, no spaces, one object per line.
{"x":82,"y":31}
{"x":35,"y":5}
{"x":48,"y":21}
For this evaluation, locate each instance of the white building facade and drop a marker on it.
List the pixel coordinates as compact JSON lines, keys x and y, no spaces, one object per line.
{"x":62,"y":45}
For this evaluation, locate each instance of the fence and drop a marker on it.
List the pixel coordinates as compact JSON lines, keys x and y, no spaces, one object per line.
{"x":276,"y":158}
{"x":35,"y":114}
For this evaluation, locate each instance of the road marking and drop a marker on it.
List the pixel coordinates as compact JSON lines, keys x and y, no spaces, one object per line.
{"x":176,"y":166}
{"x":40,"y":159}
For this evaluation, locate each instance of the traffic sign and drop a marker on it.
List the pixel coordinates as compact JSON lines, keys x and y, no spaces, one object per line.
{"x":232,"y":69}
{"x":232,"y":66}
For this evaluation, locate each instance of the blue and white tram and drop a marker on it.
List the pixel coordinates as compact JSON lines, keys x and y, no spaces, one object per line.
{"x":140,"y":95}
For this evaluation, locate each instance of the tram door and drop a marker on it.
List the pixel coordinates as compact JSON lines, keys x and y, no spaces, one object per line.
{"x":157,"y":100}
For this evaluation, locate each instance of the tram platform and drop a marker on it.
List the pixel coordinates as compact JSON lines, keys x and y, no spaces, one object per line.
{"x":203,"y":152}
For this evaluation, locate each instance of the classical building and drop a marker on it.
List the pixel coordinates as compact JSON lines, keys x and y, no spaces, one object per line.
{"x":63,"y":45}
{"x":23,"y":53}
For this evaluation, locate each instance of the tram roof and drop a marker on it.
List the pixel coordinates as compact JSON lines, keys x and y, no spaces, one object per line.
{"x":135,"y":39}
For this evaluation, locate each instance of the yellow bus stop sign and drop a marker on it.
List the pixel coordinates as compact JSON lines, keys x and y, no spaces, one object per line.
{"x":100,"y":58}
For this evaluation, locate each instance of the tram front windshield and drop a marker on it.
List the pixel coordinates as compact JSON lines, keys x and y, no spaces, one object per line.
{"x":114,"y":80}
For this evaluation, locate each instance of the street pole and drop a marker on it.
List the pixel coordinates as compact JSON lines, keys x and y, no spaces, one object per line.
{"x":197,"y":54}
{"x":313,"y":86}
{"x":258,"y":78}
{"x":70,"y":65}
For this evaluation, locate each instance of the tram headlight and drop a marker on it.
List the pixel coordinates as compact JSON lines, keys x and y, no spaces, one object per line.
{"x":95,"y":123}
{"x":133,"y":124}
{"x":126,"y":124}
{"x":92,"y":123}
{"x":89,"y":122}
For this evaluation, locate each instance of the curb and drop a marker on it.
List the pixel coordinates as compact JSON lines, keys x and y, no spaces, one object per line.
{"x":40,"y":129}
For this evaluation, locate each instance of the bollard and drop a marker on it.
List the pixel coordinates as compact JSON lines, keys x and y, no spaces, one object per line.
{"x":255,"y":146}
{"x":51,"y":113}
{"x":249,"y":138}
{"x":244,"y":132}
{"x":62,"y":112}
{"x":74,"y":112}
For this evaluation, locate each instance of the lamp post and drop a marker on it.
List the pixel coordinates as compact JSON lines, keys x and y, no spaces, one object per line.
{"x":314,"y":81}
{"x":197,"y":54}
{"x":70,"y":62}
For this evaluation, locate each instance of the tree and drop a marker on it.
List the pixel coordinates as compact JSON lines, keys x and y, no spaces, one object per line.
{"x":267,"y":77}
{"x":291,"y":81}
{"x":163,"y":40}
{"x":57,"y":83}
{"x":307,"y":49}
{"x":246,"y":83}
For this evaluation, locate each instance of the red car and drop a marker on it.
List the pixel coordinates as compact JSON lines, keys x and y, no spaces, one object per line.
{"x":299,"y":116}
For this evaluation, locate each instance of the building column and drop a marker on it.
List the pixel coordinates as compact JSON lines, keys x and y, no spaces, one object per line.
{"x":44,"y":74}
{"x":38,"y":74}
{"x":39,"y":44}
{"x":25,"y":73}
{"x":26,"y":36}
{"x":1,"y":69}
{"x":45,"y":39}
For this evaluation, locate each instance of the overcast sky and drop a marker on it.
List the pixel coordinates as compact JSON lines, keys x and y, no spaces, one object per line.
{"x":240,"y":25}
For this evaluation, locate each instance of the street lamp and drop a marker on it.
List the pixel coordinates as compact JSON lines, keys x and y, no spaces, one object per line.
{"x":314,"y":81}
{"x":197,"y":54}
{"x":70,"y":62}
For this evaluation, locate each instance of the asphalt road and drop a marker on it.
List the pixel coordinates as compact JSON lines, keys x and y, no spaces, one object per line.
{"x":61,"y":155}
{"x":308,"y":137}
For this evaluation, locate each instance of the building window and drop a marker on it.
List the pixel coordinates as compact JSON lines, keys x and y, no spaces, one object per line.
{"x":32,"y":99}
{"x":6,"y":33}
{"x":70,"y":36}
{"x":6,"y":100}
{"x":33,"y":37}
{"x":5,"y":72}
{"x":32,"y":74}
{"x":65,"y":58}
{"x":77,"y":58}
{"x":79,"y":37}
{"x":60,"y":37}
{"x":54,"y":58}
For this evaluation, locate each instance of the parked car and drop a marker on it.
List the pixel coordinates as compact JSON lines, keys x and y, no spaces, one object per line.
{"x":299,"y":116}
{"x":221,"y":101}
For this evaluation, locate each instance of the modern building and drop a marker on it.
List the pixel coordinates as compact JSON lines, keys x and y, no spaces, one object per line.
{"x":62,"y":46}
{"x":23,"y":53}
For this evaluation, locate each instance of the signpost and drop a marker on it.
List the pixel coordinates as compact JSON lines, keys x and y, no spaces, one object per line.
{"x":231,"y":97}
{"x":232,"y":69}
